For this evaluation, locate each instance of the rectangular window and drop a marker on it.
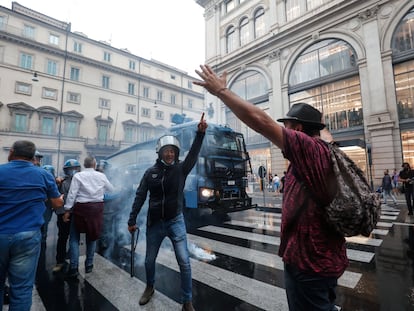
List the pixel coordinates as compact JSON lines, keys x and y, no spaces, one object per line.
{"x":130,"y":108}
{"x":102,"y":133}
{"x":292,"y":9}
{"x":51,"y":67}
{"x":28,"y":31}
{"x":74,"y":73}
{"x":23,"y":88}
{"x":131,"y":88}
{"x":146,"y":92}
{"x":71,"y":128}
{"x":104,"y":103}
{"x":131,"y":65}
{"x":159,"y":95}
{"x":49,"y":93}
{"x":47,"y":126}
{"x":172,"y":77}
{"x":190,"y":85}
{"x":20,"y":122}
{"x":77,"y":47}
{"x":129,"y":134}
{"x":146,"y":112}
{"x":2,"y":22}
{"x":190,"y":103}
{"x":105,"y":82}
{"x":230,"y":5}
{"x":26,"y":61}
{"x":159,"y":115}
{"x":73,"y":98}
{"x":107,"y":57}
{"x":54,"y":39}
{"x":173,"y":99}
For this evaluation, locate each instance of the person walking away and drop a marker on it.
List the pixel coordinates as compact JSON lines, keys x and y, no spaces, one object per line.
{"x":276,"y":183}
{"x":406,"y":175}
{"x":395,"y":182}
{"x":70,"y":168}
{"x":165,"y":182}
{"x":314,"y":256}
{"x":24,"y":188}
{"x":84,"y":204}
{"x":386,"y":186}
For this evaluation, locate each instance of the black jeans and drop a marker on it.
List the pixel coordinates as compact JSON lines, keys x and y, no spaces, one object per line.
{"x":409,"y":198}
{"x":307,"y":292}
{"x":63,"y":236}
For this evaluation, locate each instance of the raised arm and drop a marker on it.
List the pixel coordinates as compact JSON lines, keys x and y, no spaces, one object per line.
{"x":251,"y":115}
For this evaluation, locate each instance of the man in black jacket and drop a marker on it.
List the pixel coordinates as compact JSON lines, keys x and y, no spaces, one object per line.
{"x":165,"y":181}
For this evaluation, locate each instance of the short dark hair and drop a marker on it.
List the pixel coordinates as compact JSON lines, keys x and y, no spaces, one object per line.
{"x":89,"y":162}
{"x":24,"y":149}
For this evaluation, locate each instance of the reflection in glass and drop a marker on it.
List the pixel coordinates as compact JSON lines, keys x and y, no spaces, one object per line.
{"x":340,"y":102}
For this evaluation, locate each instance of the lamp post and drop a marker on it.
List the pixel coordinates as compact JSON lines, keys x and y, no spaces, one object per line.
{"x":62,"y":98}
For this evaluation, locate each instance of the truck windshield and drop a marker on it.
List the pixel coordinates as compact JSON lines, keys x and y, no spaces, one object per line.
{"x":227,"y":141}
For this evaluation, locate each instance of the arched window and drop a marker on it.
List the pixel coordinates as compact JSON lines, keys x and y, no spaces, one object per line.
{"x":403,"y":38}
{"x":325,"y":58}
{"x":259,"y":24}
{"x":230,"y":39}
{"x":251,"y":86}
{"x":244,"y":31}
{"x":325,"y":76}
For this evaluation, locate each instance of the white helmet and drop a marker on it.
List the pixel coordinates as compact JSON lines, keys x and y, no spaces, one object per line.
{"x":168,"y":140}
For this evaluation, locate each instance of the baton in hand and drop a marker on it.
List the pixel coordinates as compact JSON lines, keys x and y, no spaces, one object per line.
{"x":133,"y":247}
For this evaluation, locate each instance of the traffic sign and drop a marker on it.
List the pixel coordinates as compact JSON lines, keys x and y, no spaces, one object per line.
{"x":262,"y":172}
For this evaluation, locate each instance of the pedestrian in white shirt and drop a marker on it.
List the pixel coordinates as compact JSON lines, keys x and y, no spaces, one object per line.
{"x":85,"y":204}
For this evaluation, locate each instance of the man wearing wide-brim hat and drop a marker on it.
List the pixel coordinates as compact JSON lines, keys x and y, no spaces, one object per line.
{"x":314,"y":257}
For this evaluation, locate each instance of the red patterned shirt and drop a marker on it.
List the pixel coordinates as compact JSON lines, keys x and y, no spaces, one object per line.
{"x":306,"y":240}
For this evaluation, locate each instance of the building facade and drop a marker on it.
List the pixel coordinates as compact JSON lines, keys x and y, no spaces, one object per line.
{"x":74,"y":96}
{"x":353,"y":60}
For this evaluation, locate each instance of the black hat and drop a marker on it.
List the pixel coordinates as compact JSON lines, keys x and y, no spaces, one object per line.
{"x":304,"y":113}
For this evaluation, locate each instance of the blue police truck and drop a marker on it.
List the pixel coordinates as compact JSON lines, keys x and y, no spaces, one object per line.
{"x":218,"y":180}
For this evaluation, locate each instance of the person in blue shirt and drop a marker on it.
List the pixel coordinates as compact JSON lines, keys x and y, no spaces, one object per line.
{"x":24,"y":188}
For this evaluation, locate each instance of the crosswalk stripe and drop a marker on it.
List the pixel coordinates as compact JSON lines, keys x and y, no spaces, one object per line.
{"x":120,"y":289}
{"x":254,"y":292}
{"x":348,"y":279}
{"x":253,"y":225}
{"x":384,"y":224}
{"x":364,"y":240}
{"x":380,"y":231}
{"x":354,"y":255}
{"x":385,"y":217}
{"x":264,"y":219}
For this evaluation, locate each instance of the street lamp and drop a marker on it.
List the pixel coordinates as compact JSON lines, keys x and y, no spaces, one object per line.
{"x":68,"y":26}
{"x":35,"y":78}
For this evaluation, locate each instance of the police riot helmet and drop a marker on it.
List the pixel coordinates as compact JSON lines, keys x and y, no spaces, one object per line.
{"x":38,"y":154}
{"x":102,"y":165}
{"x":71,"y":166}
{"x":71,"y":163}
{"x":50,"y":169}
{"x":168,"y":140}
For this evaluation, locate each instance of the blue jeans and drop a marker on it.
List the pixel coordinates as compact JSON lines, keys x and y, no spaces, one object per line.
{"x":19,"y":254}
{"x":176,"y":231}
{"x":74,"y":248}
{"x":309,"y":292}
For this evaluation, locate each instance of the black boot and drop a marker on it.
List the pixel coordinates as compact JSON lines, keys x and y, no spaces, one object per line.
{"x":147,"y":295}
{"x":188,"y":306}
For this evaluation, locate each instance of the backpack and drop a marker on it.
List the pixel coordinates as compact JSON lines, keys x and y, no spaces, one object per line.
{"x":355,"y":209}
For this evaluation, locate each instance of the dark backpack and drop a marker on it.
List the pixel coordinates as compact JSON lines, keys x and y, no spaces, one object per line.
{"x":355,"y":209}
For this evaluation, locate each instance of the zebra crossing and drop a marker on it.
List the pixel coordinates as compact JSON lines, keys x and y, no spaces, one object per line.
{"x":252,"y":227}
